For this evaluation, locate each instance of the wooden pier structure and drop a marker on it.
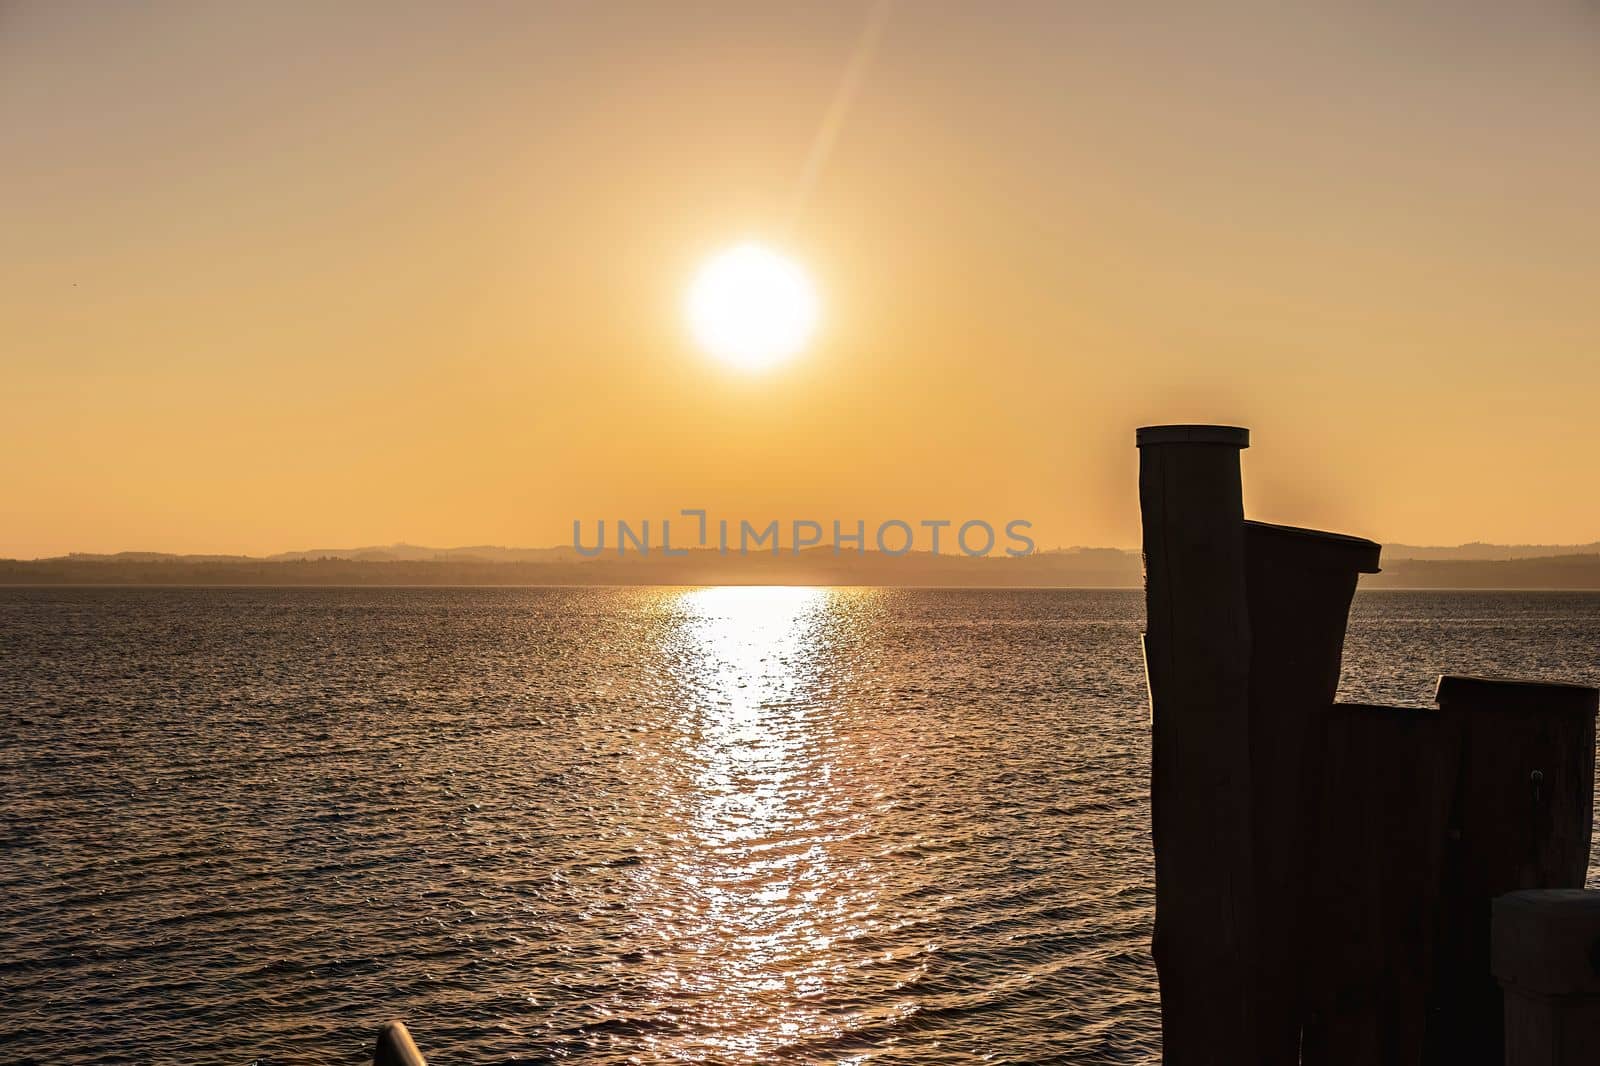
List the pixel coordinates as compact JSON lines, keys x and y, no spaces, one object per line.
{"x":1326,"y":873}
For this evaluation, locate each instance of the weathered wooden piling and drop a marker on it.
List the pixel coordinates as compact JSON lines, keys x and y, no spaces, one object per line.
{"x":396,"y":1048}
{"x":1300,"y":583}
{"x":1388,"y":777}
{"x":1546,"y":955}
{"x":1522,"y":818}
{"x":1197,"y":662}
{"x":1324,"y":873}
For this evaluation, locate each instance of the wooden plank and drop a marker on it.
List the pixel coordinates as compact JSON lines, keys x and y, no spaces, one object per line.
{"x":1523,"y":816}
{"x":1197,"y":661}
{"x":1388,"y":780}
{"x":1300,"y":583}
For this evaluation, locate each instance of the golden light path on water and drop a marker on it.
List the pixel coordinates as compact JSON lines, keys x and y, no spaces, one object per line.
{"x":757,"y":882}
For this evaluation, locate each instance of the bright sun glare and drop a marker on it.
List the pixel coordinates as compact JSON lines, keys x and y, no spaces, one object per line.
{"x":751,"y":306}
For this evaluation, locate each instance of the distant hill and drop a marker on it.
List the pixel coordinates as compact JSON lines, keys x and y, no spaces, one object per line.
{"x":1478,"y":550}
{"x":404,"y":565}
{"x":413,"y":553}
{"x":1549,"y":572}
{"x":148,"y":557}
{"x":1471,"y":566}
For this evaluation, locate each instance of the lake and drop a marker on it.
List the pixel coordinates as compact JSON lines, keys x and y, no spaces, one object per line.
{"x":611,"y":825}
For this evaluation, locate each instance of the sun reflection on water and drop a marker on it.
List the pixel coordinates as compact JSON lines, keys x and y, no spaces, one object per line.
{"x":749,"y":893}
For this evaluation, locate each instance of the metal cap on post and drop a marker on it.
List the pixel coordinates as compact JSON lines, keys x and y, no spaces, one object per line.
{"x":1197,"y":660}
{"x":1233,"y":436}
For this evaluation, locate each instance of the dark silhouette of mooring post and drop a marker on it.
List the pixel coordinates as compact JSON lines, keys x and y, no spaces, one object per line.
{"x":1300,"y":584}
{"x":1546,"y":953}
{"x":1522,"y":817}
{"x":1325,"y":872}
{"x":1388,"y":777}
{"x":396,"y":1048}
{"x":1197,"y":663}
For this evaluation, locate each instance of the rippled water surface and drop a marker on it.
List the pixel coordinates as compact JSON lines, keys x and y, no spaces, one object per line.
{"x":610,"y":825}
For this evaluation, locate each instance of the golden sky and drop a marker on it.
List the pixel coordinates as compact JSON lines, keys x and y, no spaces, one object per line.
{"x":274,"y":276}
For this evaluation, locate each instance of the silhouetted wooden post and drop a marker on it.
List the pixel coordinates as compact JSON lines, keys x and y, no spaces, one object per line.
{"x":1197,"y":662}
{"x":1388,"y":776}
{"x":1524,"y":809}
{"x":1546,"y":953}
{"x":1300,"y":583}
{"x":396,"y":1048}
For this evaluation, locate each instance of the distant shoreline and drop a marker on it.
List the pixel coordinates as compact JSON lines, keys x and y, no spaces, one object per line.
{"x":1076,"y":569}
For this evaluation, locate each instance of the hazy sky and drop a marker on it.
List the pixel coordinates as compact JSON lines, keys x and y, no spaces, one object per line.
{"x":281,"y":276}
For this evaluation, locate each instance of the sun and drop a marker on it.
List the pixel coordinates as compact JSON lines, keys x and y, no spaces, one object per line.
{"x":751,"y":306}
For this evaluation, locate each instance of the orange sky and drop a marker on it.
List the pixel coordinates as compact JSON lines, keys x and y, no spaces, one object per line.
{"x":280,"y":277}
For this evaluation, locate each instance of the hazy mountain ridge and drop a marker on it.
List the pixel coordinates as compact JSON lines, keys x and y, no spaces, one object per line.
{"x":490,"y":553}
{"x":386,"y":553}
{"x":1477,"y":550}
{"x":494,"y":553}
{"x":403,"y":564}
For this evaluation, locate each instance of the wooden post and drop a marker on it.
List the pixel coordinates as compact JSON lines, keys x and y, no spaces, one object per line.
{"x":1524,"y":809}
{"x":1546,"y":953}
{"x":1388,"y":778}
{"x":1197,"y":663}
{"x":396,"y":1048}
{"x":1300,"y":583}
